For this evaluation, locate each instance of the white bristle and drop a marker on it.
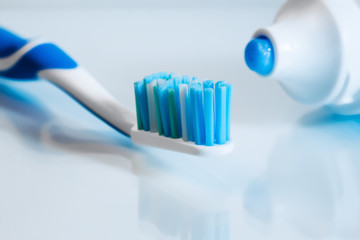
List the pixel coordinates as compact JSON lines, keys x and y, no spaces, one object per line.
{"x":152,"y":108}
{"x":183,"y":92}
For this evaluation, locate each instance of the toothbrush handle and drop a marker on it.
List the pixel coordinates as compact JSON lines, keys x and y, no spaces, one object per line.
{"x":21,"y":59}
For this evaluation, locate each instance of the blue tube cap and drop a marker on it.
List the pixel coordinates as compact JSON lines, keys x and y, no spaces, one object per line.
{"x":259,"y":55}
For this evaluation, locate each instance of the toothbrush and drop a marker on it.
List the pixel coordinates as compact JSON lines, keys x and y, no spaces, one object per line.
{"x":22,"y":59}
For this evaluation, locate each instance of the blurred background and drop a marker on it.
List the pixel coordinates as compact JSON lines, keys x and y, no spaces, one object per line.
{"x":83,"y":4}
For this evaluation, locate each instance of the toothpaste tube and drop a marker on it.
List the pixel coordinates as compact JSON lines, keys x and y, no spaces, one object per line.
{"x":313,"y":50}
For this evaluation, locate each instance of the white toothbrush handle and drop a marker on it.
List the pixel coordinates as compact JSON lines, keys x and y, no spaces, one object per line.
{"x":80,"y":85}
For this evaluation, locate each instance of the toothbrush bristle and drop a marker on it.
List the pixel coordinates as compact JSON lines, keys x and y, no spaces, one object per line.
{"x":177,"y":107}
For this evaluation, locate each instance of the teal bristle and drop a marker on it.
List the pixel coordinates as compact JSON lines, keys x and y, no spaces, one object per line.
{"x":177,"y":82}
{"x":180,"y":106}
{"x":143,"y":104}
{"x":158,"y":114}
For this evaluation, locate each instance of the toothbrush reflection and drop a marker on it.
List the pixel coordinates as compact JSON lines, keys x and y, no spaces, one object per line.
{"x":184,"y":200}
{"x":312,"y":180}
{"x":26,"y":113}
{"x":171,"y":216}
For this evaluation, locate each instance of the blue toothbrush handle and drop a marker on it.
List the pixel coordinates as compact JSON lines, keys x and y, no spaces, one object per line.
{"x":22,"y":59}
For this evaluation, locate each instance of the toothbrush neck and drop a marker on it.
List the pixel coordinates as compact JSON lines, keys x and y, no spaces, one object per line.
{"x":80,"y":85}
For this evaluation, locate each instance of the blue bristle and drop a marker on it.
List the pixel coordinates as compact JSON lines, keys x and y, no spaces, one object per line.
{"x":170,"y":83}
{"x":209,"y":112}
{"x":197,"y":102}
{"x":177,"y":80}
{"x":195,"y":82}
{"x":209,"y":116}
{"x":208,"y":84}
{"x":164,"y":109}
{"x":193,"y":111}
{"x":143,"y":105}
{"x":229,"y":94}
{"x":189,"y":116}
{"x":170,"y":76}
{"x":160,"y":75}
{"x":163,"y":75}
{"x":186,"y":79}
{"x":220,"y":111}
{"x":194,"y":131}
{"x":195,"y":79}
{"x":155,"y":76}
{"x":200,"y":111}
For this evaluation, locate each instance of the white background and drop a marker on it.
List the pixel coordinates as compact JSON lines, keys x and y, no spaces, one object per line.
{"x":36,"y":4}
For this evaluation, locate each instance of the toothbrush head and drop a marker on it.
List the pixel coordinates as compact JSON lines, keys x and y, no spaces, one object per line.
{"x":180,"y":114}
{"x":153,"y":139}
